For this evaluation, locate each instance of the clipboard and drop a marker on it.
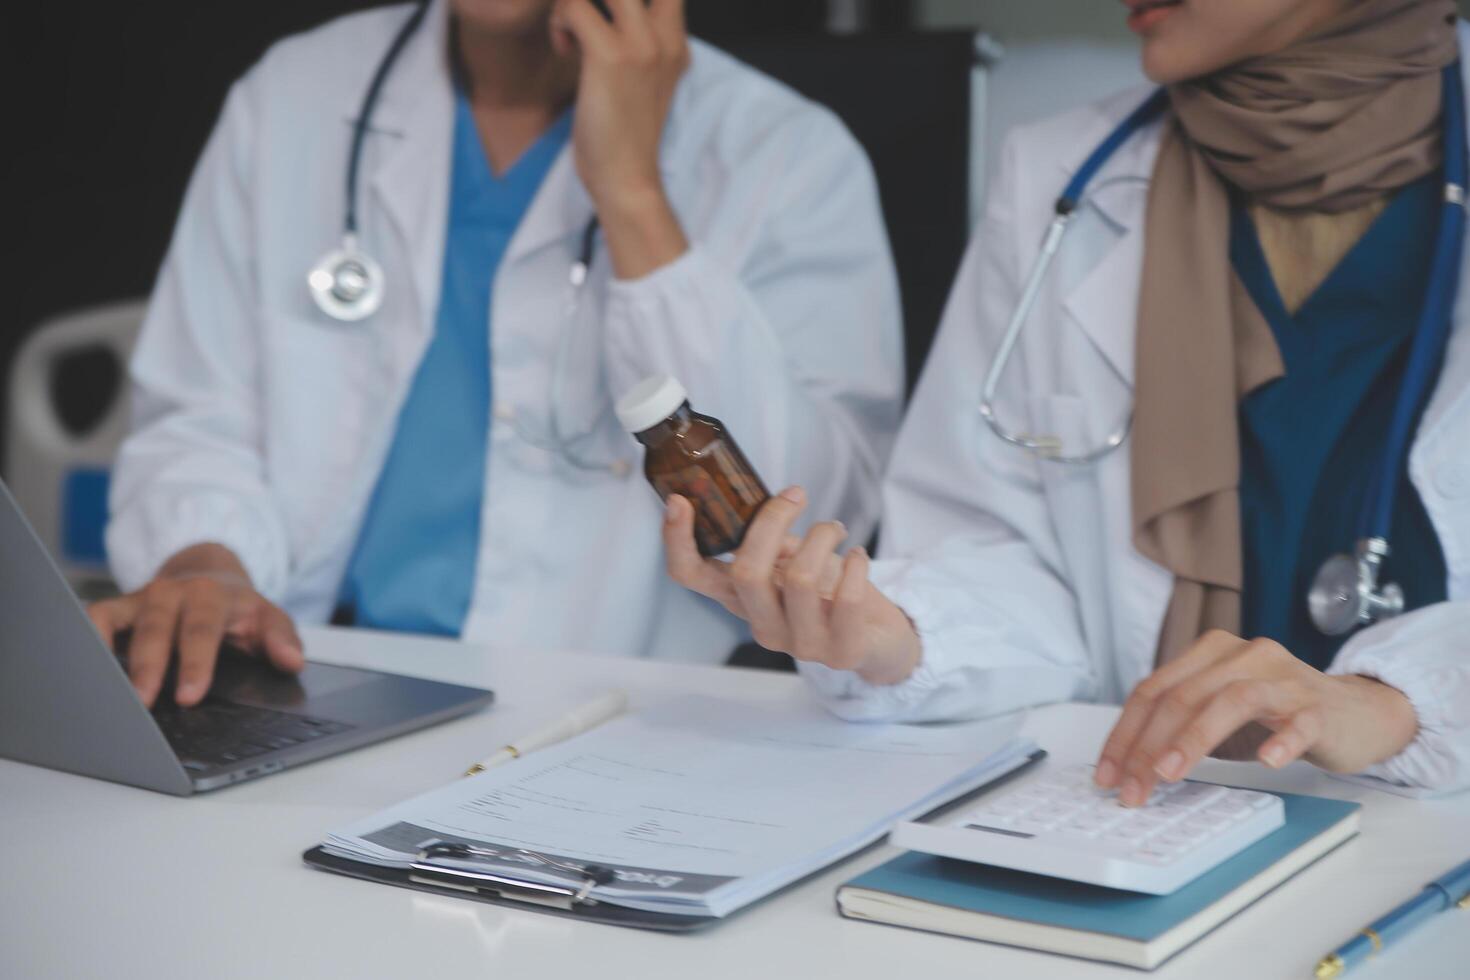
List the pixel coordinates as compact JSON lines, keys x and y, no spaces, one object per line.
{"x":496,"y":888}
{"x":571,"y":900}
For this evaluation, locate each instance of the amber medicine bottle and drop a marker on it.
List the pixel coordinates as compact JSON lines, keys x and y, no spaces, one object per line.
{"x":692,"y":455}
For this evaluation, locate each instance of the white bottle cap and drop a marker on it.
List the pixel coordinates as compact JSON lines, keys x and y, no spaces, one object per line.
{"x":649,"y":402}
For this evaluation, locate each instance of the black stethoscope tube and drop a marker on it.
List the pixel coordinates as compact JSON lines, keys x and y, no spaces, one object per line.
{"x":370,"y":102}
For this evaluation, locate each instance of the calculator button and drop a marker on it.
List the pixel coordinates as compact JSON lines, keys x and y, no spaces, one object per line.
{"x":1125,"y":834}
{"x":1149,"y":820}
{"x":1198,"y":833}
{"x":1171,"y":840}
{"x":1092,"y":818}
{"x":1228,"y":809}
{"x":1101,"y":823}
{"x":1050,"y":816}
{"x":1078,"y":830}
{"x":1088,"y":824}
{"x":1170,"y":810}
{"x":1198,"y":794}
{"x":1200,"y":824}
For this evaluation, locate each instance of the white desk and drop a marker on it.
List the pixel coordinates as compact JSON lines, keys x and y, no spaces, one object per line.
{"x":214,"y":887}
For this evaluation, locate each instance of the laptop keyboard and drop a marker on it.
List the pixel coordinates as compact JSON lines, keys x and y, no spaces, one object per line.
{"x":221,"y":733}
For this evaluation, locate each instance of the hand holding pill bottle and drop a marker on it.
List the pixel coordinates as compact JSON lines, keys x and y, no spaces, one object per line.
{"x":694,"y":456}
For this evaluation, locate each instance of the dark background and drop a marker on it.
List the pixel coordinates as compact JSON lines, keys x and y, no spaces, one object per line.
{"x":107,"y":105}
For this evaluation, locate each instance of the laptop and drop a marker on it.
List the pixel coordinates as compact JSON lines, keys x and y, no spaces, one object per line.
{"x":66,"y":702}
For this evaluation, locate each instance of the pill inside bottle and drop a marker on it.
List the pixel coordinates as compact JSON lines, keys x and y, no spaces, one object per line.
{"x":694,"y":456}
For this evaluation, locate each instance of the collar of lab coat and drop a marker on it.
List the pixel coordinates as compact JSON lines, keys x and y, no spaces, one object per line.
{"x":411,"y":181}
{"x":1104,"y":303}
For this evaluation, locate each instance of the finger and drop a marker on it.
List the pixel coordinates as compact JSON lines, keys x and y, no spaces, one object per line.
{"x":1259,"y":667}
{"x":1294,"y":741}
{"x":801,"y":593}
{"x":667,"y":19}
{"x":751,"y":572}
{"x":630,"y":19}
{"x":1156,"y":752}
{"x":1139,"y":706}
{"x":790,"y":545}
{"x":201,"y":628}
{"x":594,"y":35}
{"x":1176,"y":707}
{"x":848,"y":624}
{"x":109,"y":616}
{"x":563,"y":41}
{"x":282,"y":644}
{"x":153,"y":639}
{"x":1231,"y":708}
{"x":685,"y":564}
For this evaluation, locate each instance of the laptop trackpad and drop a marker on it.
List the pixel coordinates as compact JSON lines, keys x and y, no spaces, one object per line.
{"x":247,"y":679}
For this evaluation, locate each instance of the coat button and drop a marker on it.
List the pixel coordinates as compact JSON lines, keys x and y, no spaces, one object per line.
{"x":1453,"y":479}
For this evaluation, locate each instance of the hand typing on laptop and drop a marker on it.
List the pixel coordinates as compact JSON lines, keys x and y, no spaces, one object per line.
{"x":200,"y":597}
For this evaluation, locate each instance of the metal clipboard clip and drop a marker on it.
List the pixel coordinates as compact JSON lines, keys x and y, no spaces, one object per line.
{"x":425,"y":871}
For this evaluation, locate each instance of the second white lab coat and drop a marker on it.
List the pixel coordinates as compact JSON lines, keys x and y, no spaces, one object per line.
{"x":1021,"y":576}
{"x":262,"y":424}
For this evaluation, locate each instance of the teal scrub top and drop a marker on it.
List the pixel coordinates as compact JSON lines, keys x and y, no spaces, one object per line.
{"x":1312,"y":440}
{"x":413,"y":567}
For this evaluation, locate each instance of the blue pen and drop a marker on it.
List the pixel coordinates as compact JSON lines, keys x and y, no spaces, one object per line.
{"x":1445,"y":892}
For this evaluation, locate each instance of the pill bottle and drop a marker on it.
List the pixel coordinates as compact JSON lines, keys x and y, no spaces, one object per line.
{"x":693,"y":455}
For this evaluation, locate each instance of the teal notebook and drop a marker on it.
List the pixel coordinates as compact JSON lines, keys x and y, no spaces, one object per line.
{"x":936,"y":894}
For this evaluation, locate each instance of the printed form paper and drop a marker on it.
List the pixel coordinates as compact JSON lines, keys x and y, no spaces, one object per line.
{"x":699,"y":798}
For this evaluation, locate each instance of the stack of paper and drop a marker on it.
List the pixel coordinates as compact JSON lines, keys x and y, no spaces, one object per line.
{"x":697,"y":806}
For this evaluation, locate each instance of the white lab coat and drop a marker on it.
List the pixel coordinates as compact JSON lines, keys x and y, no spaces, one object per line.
{"x":1021,"y":576}
{"x":262,"y":424}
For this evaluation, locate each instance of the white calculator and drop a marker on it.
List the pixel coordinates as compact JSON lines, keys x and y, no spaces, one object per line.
{"x":1064,"y":826}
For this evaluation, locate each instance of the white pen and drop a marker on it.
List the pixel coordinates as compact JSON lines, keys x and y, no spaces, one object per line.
{"x":574,"y":722}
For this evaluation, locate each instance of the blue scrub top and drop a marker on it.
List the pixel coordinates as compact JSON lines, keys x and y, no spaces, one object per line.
{"x":414,"y":565}
{"x":1311,"y":441}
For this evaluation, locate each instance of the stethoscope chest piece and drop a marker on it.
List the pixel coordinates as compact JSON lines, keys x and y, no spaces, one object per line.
{"x":347,"y":284}
{"x":1345,"y":593}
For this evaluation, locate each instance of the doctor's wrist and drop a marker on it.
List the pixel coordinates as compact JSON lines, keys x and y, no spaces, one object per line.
{"x":1392,"y":717}
{"x":896,"y":663}
{"x":206,"y":560}
{"x":641,"y":230}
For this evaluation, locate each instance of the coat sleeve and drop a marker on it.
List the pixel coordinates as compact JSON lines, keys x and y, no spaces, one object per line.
{"x":192,"y":469}
{"x":968,"y":547}
{"x":784,"y":323}
{"x":1426,"y":655}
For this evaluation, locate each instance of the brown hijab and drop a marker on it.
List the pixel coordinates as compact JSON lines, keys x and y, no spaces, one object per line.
{"x":1337,"y":119}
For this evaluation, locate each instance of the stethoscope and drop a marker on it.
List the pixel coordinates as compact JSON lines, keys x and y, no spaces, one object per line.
{"x":1345,"y":593}
{"x":347,"y":282}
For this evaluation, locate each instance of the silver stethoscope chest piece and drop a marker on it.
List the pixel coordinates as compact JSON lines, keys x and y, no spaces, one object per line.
{"x":347,"y":283}
{"x":1345,"y":593}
